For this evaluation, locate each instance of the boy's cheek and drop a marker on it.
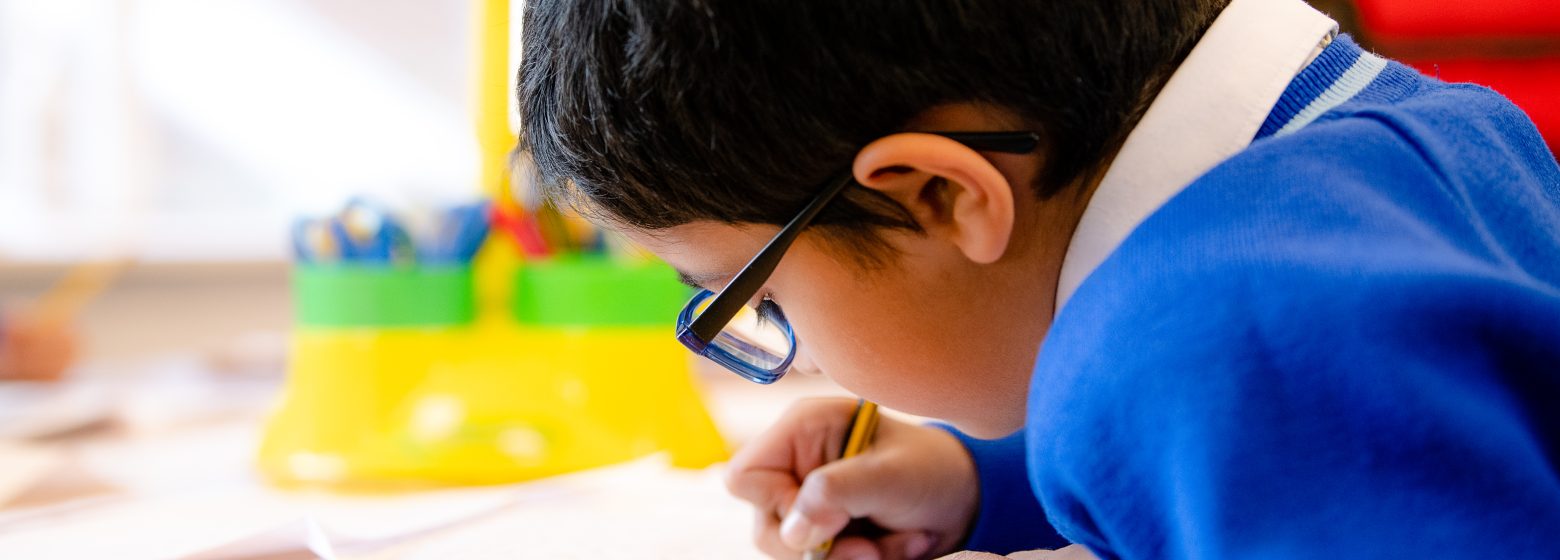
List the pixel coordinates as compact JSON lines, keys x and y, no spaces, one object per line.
{"x":876,"y":335}
{"x":879,"y":365}
{"x":804,"y":364}
{"x":914,"y":375}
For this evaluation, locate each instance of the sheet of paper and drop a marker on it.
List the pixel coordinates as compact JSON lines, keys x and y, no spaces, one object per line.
{"x":651,"y":509}
{"x":623,"y":513}
{"x":147,"y":528}
{"x":38,"y":409}
{"x":302,"y":538}
{"x":254,"y":521}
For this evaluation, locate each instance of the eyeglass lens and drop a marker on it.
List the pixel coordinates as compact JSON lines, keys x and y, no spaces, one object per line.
{"x":758,"y":335}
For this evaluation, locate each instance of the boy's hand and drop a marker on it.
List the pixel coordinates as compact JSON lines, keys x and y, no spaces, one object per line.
{"x":1074,"y":552}
{"x":916,"y":485}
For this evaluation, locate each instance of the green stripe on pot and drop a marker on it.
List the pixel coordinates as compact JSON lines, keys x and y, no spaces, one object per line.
{"x":382,"y":296}
{"x":597,"y":291}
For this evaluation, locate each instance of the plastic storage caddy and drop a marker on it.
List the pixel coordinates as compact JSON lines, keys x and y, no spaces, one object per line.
{"x":396,"y":380}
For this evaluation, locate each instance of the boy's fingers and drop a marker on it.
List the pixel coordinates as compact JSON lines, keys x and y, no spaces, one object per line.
{"x":906,"y":545}
{"x":769,"y":491}
{"x":806,"y":437}
{"x":803,"y":531}
{"x":855,"y":548}
{"x":1070,"y":552}
{"x":829,"y":497}
{"x":972,"y":555}
{"x":765,"y":471}
{"x":910,"y":545}
{"x":766,"y":536}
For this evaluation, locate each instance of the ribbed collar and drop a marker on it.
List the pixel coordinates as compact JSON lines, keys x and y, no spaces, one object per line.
{"x":1309,"y":84}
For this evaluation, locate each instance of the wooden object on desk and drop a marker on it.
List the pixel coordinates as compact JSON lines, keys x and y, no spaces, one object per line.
{"x":40,"y":342}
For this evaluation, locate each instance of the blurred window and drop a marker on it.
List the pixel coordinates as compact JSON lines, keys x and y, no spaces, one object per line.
{"x":194,"y":130}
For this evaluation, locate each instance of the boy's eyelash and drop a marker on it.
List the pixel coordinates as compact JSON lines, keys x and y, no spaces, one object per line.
{"x":766,"y":309}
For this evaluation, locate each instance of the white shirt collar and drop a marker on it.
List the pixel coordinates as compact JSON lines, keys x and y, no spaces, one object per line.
{"x":1209,"y":110}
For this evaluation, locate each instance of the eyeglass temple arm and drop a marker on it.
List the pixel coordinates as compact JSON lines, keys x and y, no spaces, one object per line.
{"x":1005,"y":142}
{"x":722,"y":309}
{"x":714,"y":318}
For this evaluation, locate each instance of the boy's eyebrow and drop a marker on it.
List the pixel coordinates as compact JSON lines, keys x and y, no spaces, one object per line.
{"x":699,"y":281}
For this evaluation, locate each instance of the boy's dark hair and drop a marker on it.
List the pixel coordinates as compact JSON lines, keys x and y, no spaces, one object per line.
{"x":656,"y":113}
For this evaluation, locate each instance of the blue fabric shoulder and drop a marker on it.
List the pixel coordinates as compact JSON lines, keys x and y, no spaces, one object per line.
{"x":1342,"y":342}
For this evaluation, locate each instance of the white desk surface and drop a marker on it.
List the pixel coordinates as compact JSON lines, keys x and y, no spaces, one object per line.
{"x":168,"y":472}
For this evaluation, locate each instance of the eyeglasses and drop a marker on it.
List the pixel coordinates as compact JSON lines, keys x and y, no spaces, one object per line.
{"x":754,"y":339}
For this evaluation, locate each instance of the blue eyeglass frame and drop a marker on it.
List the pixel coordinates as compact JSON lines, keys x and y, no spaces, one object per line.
{"x":697,"y":331}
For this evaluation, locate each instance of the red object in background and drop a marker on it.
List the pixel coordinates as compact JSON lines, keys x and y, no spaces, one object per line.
{"x":522,"y":226}
{"x":34,"y":349}
{"x":1511,"y":46}
{"x":1391,"y":20}
{"x":1534,"y":85}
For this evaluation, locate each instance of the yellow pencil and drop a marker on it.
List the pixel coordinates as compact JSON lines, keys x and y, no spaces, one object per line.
{"x":863,"y":425}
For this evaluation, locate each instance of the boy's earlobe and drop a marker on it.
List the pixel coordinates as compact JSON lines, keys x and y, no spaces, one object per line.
{"x":951,"y":190}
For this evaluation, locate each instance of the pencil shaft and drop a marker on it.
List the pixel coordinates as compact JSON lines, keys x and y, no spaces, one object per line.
{"x":863,"y":425}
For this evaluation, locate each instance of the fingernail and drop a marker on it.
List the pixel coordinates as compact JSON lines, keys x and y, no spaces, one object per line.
{"x":789,"y":532}
{"x":917,"y":545}
{"x":792,"y":531}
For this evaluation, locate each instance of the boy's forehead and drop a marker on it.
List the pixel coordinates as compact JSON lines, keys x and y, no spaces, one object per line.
{"x":705,"y":252}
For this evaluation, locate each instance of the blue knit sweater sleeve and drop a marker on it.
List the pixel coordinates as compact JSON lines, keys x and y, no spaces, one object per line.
{"x":1010,"y":518}
{"x":1358,"y":357}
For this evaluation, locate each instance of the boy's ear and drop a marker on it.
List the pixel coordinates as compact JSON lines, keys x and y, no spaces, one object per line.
{"x":949,"y":188}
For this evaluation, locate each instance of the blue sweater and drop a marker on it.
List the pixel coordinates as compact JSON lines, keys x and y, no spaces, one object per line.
{"x":1341,"y":342}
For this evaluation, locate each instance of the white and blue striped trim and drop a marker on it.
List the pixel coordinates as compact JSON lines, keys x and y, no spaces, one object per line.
{"x":1351,"y":83}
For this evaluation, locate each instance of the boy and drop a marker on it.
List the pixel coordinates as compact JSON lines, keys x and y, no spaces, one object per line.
{"x":1295,"y":300}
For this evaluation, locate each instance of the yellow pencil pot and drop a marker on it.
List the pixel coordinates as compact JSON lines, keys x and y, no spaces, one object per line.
{"x":395,"y":380}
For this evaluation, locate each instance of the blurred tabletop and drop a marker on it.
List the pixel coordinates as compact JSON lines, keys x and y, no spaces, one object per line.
{"x":155,"y":459}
